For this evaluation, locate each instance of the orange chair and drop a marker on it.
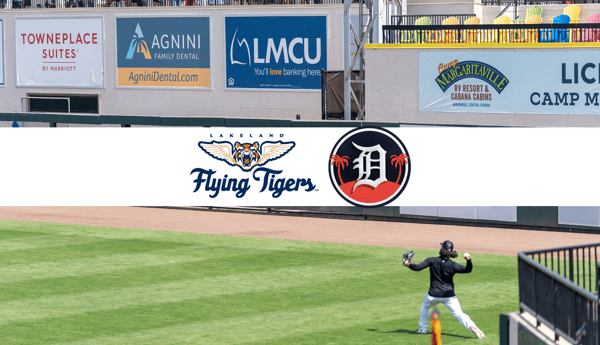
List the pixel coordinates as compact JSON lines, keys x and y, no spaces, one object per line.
{"x":471,"y":36}
{"x":446,"y":36}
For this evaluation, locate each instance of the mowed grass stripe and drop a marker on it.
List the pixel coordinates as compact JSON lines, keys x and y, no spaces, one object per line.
{"x":88,"y":250}
{"x":147,"y":272}
{"x":115,"y":298}
{"x":335,"y":323}
{"x":14,"y":234}
{"x":293,"y":303}
{"x":43,"y":241}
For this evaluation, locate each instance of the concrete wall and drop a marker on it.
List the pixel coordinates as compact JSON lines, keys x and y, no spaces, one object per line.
{"x":392,"y":94}
{"x":215,"y":102}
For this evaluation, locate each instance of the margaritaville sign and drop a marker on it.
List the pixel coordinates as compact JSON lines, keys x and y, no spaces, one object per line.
{"x":511,"y":82}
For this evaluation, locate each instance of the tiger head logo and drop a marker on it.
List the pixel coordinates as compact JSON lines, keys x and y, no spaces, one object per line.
{"x":246,"y":155}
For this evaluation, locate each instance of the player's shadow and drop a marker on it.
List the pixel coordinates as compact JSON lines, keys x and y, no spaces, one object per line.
{"x":413,"y":332}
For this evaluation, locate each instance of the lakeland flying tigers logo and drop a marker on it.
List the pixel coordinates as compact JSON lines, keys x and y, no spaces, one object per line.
{"x":246,"y":155}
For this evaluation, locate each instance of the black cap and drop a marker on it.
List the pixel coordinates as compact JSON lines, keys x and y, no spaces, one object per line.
{"x":449,"y":246}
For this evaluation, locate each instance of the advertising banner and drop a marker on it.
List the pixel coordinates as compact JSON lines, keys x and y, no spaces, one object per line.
{"x":59,"y":52}
{"x":365,"y":166}
{"x":519,"y":82}
{"x":275,"y":52}
{"x":163,"y":52}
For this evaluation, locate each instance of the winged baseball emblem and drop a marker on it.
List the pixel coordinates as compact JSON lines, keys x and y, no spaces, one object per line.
{"x":246,"y":155}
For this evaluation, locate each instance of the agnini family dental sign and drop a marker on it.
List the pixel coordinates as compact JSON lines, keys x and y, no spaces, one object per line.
{"x":275,"y":52}
{"x":163,"y":52}
{"x":510,"y":82}
{"x":59,"y":52}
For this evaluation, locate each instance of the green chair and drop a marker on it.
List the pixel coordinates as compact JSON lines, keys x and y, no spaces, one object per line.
{"x":412,"y":36}
{"x":531,"y":11}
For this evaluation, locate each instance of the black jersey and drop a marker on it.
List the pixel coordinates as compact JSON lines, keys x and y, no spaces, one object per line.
{"x":441,"y":273}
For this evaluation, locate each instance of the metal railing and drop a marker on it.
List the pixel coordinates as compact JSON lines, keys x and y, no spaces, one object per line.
{"x":521,"y":2}
{"x":436,"y":19}
{"x":32,"y":4}
{"x":490,"y":33}
{"x":559,"y":287}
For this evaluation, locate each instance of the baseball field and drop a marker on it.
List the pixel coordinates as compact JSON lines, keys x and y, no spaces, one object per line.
{"x":106,"y":276}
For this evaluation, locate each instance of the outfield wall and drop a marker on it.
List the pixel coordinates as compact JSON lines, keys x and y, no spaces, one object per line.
{"x":398,"y":92}
{"x":276,"y":97}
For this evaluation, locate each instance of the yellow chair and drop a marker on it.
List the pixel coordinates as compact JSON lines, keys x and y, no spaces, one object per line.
{"x":503,"y":37}
{"x":446,"y":36}
{"x":529,"y":35}
{"x":471,"y":35}
{"x":573,"y":12}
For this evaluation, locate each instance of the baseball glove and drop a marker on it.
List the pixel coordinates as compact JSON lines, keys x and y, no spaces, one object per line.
{"x":408,"y":256}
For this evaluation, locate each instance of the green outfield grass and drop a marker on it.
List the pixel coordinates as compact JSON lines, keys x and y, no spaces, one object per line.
{"x":70,"y":284}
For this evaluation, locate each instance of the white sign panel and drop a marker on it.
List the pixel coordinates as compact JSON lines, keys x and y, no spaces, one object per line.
{"x":300,"y":167}
{"x":517,"y":82}
{"x":59,"y":52}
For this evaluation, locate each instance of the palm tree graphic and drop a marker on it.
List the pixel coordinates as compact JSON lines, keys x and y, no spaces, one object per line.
{"x":138,"y":45}
{"x":339,"y":161}
{"x":399,"y":160}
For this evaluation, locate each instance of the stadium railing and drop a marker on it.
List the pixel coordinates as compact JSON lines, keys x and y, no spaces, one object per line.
{"x":521,"y":2}
{"x":24,"y":4}
{"x":436,"y":19}
{"x":559,"y":287}
{"x":492,"y":33}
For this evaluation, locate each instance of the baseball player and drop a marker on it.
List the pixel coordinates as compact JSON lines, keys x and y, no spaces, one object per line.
{"x":441,"y":286}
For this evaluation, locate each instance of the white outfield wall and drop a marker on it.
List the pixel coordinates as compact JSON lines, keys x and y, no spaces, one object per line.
{"x":392,"y":89}
{"x":215,"y":100}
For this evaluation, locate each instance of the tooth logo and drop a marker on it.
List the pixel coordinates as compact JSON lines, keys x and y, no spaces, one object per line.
{"x":138,"y":45}
{"x":240,"y":43}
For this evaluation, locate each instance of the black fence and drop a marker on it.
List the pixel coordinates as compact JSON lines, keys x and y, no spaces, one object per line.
{"x":436,"y":19}
{"x":525,"y":2}
{"x":26,"y":4}
{"x":559,"y":287}
{"x":490,"y":33}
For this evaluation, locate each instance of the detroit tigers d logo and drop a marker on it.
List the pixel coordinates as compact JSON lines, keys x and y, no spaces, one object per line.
{"x":369,"y":167}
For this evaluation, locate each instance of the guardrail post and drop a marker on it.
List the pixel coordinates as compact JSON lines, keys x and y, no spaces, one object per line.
{"x":571,"y":273}
{"x":598,"y":281}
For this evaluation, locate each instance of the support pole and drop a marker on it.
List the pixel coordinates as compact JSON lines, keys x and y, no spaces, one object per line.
{"x":347,"y":60}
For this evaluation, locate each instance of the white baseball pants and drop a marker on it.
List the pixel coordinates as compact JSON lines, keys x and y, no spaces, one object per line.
{"x":451,"y":303}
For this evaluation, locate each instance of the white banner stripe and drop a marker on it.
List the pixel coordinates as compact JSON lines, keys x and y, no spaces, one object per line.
{"x":153,"y":166}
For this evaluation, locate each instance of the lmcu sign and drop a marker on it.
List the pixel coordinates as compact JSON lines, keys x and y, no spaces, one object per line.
{"x":278,"y":52}
{"x":163,"y":52}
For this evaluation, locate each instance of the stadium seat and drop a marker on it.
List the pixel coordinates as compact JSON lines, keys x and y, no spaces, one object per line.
{"x":499,"y":36}
{"x":470,"y":36}
{"x":591,"y":35}
{"x":529,"y":35}
{"x":556,"y":35}
{"x":412,"y":36}
{"x":531,"y":11}
{"x":446,"y":36}
{"x":573,"y":12}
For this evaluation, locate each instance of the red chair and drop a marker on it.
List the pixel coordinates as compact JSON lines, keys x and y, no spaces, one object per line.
{"x":592,"y":35}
